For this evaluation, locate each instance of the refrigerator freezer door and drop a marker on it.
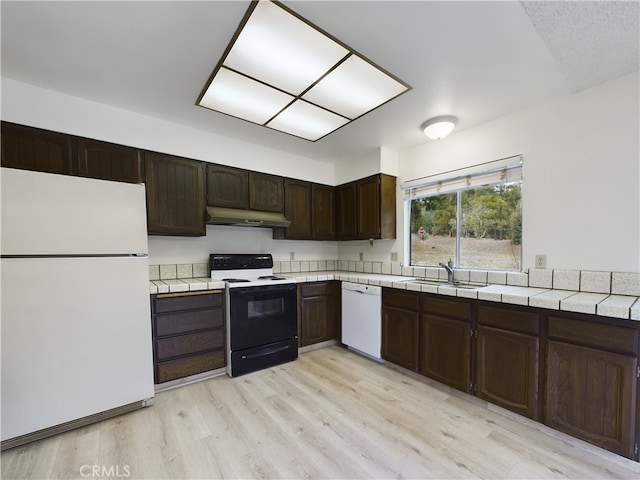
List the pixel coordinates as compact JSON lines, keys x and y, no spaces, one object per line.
{"x":76,"y":339}
{"x":45,"y":214}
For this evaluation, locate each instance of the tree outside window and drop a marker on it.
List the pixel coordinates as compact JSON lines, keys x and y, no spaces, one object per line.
{"x":476,"y":227}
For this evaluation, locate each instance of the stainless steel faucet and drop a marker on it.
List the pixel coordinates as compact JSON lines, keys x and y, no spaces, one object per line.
{"x":449,"y":268}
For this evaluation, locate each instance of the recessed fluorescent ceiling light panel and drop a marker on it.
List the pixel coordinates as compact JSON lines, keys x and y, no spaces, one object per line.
{"x":282,"y":72}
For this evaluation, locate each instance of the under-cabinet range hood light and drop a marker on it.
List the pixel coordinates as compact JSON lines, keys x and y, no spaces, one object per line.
{"x":245,"y":218}
{"x":282,"y":72}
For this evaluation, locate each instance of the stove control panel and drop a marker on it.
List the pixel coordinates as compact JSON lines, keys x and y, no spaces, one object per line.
{"x":240,"y":261}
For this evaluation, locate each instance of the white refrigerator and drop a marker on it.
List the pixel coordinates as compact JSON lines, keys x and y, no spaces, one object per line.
{"x":75,"y":325}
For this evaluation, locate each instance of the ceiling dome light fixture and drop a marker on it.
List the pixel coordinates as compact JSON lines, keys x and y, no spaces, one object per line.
{"x":439,"y":127}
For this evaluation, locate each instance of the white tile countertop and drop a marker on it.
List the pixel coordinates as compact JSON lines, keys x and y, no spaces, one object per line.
{"x":604,"y":304}
{"x":184,"y":285}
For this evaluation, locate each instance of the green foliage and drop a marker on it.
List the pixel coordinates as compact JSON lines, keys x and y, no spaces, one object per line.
{"x":486,"y":212}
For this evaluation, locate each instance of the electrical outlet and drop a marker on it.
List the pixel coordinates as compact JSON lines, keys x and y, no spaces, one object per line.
{"x":541,"y":261}
{"x":292,"y":256}
{"x":394,"y":256}
{"x":361,"y":256}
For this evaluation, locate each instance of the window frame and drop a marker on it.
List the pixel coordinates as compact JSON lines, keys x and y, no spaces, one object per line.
{"x":500,"y":172}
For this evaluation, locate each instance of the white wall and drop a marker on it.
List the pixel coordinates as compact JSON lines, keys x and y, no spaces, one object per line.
{"x":222,"y":239}
{"x":581,"y":189}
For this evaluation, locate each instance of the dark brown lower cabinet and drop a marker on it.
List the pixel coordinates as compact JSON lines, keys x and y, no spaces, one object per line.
{"x":188,"y":334}
{"x":507,"y":358}
{"x":591,"y":395}
{"x":445,"y":351}
{"x":400,"y":327}
{"x":445,"y":341}
{"x":507,"y":370}
{"x":319,"y":312}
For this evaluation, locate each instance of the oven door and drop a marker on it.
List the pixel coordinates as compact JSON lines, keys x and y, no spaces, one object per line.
{"x":262,"y":315}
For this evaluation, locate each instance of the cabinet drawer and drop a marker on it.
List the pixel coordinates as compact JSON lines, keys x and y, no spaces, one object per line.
{"x":175,"y":323}
{"x":191,"y":343}
{"x":184,"y":367}
{"x":514,"y":320}
{"x":315,"y":289}
{"x":178,"y":302}
{"x":607,"y":337}
{"x":397,"y":298}
{"x":451,"y":308}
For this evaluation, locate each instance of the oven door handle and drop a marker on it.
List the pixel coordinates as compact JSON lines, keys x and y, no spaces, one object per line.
{"x":268,"y":351}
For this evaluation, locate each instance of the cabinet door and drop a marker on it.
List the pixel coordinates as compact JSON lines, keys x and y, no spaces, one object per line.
{"x":266,"y":192}
{"x":108,"y":161}
{"x":445,"y":346}
{"x":590,"y":394}
{"x":400,"y":337}
{"x":346,"y":226}
{"x":227,"y":187}
{"x":323,"y":206}
{"x":319,"y":314}
{"x":297,"y":209}
{"x":368,"y":212}
{"x":314,"y":321}
{"x":30,"y":148}
{"x":175,"y":195}
{"x":507,"y":370}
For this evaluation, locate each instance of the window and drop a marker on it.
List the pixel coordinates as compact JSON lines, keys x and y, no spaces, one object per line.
{"x":471,"y":216}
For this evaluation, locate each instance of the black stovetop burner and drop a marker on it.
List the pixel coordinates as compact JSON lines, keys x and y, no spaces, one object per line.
{"x":235,"y":280}
{"x":270,"y":277}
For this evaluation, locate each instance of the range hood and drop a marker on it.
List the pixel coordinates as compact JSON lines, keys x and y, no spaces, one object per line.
{"x":245,"y":218}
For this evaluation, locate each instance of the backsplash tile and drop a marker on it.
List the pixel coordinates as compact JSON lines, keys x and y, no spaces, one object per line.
{"x":540,"y":278}
{"x":518,"y":278}
{"x":201,"y":270}
{"x":407,"y":271}
{"x":566,"y":279}
{"x":625,"y":283}
{"x":478,"y":276}
{"x":168,"y":272}
{"x":497,"y":278}
{"x":185,"y":270}
{"x":154,"y":272}
{"x":596,"y":282}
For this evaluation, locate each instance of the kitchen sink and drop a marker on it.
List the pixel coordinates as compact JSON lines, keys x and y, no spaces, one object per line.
{"x":437,"y":283}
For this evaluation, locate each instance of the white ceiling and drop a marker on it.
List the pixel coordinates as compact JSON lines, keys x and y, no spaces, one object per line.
{"x":476,"y":60}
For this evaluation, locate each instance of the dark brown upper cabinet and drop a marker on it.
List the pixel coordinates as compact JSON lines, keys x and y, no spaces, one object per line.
{"x":366,"y":208}
{"x":31,"y":148}
{"x":346,"y":227}
{"x":376,"y":200}
{"x":323,"y":212}
{"x":266,"y":192}
{"x":108,"y":161}
{"x":227,"y":187}
{"x":297,"y":209}
{"x":175,"y":195}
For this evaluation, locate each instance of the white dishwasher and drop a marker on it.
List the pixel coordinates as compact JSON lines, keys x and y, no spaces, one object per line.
{"x":361,"y":318}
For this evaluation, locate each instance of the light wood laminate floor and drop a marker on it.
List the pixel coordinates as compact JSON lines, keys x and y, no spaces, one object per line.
{"x":330,"y":414}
